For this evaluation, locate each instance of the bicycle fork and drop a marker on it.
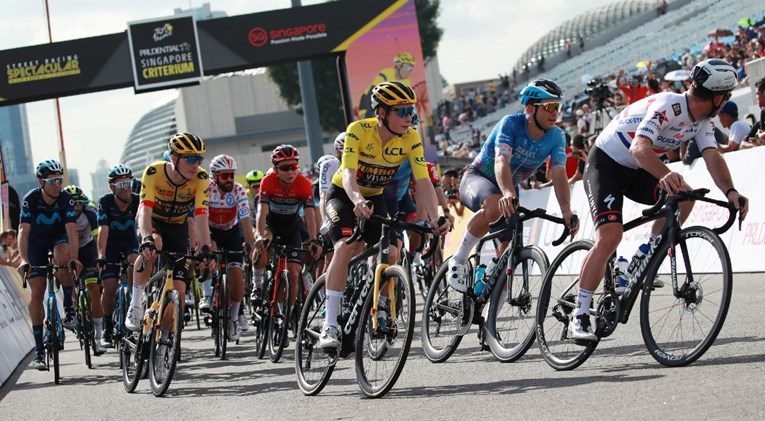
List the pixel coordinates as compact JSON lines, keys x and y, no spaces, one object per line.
{"x":376,"y":295}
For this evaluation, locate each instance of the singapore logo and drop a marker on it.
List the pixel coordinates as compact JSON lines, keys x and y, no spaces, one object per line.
{"x":258,"y":37}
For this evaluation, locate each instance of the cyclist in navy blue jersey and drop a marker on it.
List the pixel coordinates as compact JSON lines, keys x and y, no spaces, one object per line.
{"x":47,"y":223}
{"x":117,"y":234}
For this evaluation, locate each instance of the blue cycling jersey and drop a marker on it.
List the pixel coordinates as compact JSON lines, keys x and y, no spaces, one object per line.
{"x":399,"y":184}
{"x":121,"y":223}
{"x":527,"y":154}
{"x":47,"y":221}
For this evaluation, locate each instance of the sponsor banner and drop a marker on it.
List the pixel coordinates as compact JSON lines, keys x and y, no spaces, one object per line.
{"x":261,"y":39}
{"x":15,"y":325}
{"x":64,"y":68}
{"x":164,"y":52}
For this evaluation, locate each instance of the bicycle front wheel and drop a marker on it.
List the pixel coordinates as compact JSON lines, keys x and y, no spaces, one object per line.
{"x":381,"y":354}
{"x":54,"y":329}
{"x":131,"y":360}
{"x":85,"y":325}
{"x":557,"y":302}
{"x":442,"y":317}
{"x":678,"y":329}
{"x":165,"y":346}
{"x":312,"y":365}
{"x":278,"y":322}
{"x":511,"y":326}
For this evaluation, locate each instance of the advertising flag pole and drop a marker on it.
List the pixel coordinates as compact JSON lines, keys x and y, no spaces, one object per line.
{"x":62,"y":152}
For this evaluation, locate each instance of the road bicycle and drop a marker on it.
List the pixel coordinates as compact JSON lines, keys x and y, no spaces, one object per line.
{"x":84,"y":320}
{"x":159,"y":346}
{"x":220,"y":313}
{"x":381,"y":345}
{"x":53,"y":343}
{"x":511,"y":290}
{"x":678,"y":323}
{"x":272,"y":313}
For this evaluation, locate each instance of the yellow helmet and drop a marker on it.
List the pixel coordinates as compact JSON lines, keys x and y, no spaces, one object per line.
{"x":404,"y":58}
{"x":187,"y":144}
{"x":391,"y":93}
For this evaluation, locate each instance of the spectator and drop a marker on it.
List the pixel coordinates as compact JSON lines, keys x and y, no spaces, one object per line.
{"x":568,"y":49}
{"x":451,"y":183}
{"x":10,"y":255}
{"x":738,"y":129}
{"x":635,"y":90}
{"x":579,"y":151}
{"x":756,"y":136}
{"x":581,"y":123}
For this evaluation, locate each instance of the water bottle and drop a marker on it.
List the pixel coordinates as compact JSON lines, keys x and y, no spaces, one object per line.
{"x":621,"y":272}
{"x":638,"y":258}
{"x":479,"y":284}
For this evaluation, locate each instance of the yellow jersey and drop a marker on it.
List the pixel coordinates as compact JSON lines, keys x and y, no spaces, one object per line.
{"x":376,"y":165}
{"x":172,"y":203}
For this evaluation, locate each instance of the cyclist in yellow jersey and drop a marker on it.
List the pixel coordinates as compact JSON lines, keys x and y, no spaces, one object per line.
{"x":374,"y":149}
{"x":169,"y":191}
{"x":403,"y":64}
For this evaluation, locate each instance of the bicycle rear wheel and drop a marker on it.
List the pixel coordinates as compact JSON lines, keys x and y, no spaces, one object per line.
{"x":85,"y":325}
{"x":381,"y":355}
{"x":441,"y":318}
{"x":131,"y":360}
{"x":165,"y":346}
{"x":278,"y":322}
{"x":557,"y":302}
{"x":511,"y":325}
{"x":221,"y":317}
{"x":262,"y":317}
{"x":677,"y":330}
{"x":312,"y":365}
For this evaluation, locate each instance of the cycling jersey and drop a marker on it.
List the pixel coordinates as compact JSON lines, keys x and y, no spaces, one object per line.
{"x":47,"y":221}
{"x":171,"y":203}
{"x":86,"y":223}
{"x":284,"y":204}
{"x":328,"y":165}
{"x":226,"y":208}
{"x":121,"y":223}
{"x":511,"y":133}
{"x":402,"y":182}
{"x":376,"y":165}
{"x":664,"y":119}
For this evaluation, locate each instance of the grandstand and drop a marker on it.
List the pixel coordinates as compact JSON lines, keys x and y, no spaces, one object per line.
{"x":659,"y":38}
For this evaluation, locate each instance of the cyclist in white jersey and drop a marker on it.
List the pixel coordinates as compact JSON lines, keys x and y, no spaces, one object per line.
{"x":624,"y":162}
{"x":229,"y":218}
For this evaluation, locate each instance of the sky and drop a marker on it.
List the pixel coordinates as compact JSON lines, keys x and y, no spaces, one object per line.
{"x":482,"y":38}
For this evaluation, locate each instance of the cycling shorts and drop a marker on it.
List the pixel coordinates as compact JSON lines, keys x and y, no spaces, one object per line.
{"x":87,"y":256}
{"x":229,"y":240}
{"x":342,"y":221}
{"x":289,"y":235}
{"x":606,"y":182}
{"x":175,"y":238}
{"x":113,"y":250}
{"x":38,"y":252}
{"x":474,"y":189}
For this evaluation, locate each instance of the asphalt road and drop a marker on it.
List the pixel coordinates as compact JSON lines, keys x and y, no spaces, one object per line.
{"x":619,"y":381}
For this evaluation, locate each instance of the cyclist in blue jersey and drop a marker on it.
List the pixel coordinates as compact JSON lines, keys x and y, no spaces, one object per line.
{"x":47,"y":223}
{"x":116,"y":219}
{"x":518,"y":144}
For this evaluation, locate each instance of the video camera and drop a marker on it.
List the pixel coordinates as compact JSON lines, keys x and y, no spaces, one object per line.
{"x":598,"y":90}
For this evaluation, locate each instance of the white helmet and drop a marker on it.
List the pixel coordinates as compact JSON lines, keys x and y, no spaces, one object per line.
{"x":340,"y":142}
{"x":222,"y":163}
{"x":715,"y":75}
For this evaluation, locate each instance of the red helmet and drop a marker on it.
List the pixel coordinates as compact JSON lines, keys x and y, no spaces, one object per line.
{"x":284,"y":153}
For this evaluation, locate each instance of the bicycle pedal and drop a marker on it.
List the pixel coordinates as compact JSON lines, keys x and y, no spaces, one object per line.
{"x":582,"y":342}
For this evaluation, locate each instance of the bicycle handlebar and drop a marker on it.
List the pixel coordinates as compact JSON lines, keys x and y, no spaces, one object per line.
{"x":524,"y":214}
{"x":700,"y":195}
{"x":393,"y":222}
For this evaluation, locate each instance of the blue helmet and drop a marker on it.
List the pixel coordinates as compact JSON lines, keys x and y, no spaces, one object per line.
{"x":47,"y":167}
{"x":540,"y":89}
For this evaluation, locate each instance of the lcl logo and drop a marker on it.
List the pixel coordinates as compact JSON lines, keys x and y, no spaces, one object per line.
{"x":257,"y":37}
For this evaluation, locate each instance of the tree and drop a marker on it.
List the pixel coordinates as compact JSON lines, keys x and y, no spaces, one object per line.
{"x":325,"y":71}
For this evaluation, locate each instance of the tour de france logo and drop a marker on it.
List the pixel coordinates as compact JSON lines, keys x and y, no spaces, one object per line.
{"x":163,"y":32}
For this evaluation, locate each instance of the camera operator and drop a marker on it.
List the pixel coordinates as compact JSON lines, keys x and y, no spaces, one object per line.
{"x":451,"y":185}
{"x":600,"y":94}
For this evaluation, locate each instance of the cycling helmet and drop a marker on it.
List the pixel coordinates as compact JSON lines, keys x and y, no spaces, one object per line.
{"x":540,"y":89}
{"x":254,"y":176}
{"x":136,"y":186}
{"x":389,"y":94}
{"x":715,"y":75}
{"x":404,"y":58}
{"x":340,"y":142}
{"x":284,"y":153}
{"x":186,"y":144}
{"x":222,"y":163}
{"x":77,"y":194}
{"x":47,"y":167}
{"x":119,"y":171}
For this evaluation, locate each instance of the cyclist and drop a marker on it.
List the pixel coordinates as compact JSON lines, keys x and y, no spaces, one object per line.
{"x":229,"y":217}
{"x":169,"y":190}
{"x":374,"y":149}
{"x":47,"y":223}
{"x":328,"y":165}
{"x":282,"y":194}
{"x":624,"y":162}
{"x":116,"y":218}
{"x":87,"y":228}
{"x":517,"y":145}
{"x":253,"y":179}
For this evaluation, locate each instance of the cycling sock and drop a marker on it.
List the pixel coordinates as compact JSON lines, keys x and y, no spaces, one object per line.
{"x":463,"y":252}
{"x":235,"y":310}
{"x":37,"y":332}
{"x":258,"y":278}
{"x":108,"y":322}
{"x":583,"y":300}
{"x":333,"y":304}
{"x":68,"y":302}
{"x":135,"y":300}
{"x":98,"y":326}
{"x":207,"y":288}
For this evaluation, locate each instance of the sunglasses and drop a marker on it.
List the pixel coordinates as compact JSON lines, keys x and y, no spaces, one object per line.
{"x":407,"y":67}
{"x":193,"y":159}
{"x":404,"y":112}
{"x":123,"y":184}
{"x":550,"y":107}
{"x":54,"y":180}
{"x":226,"y":175}
{"x":288,"y":167}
